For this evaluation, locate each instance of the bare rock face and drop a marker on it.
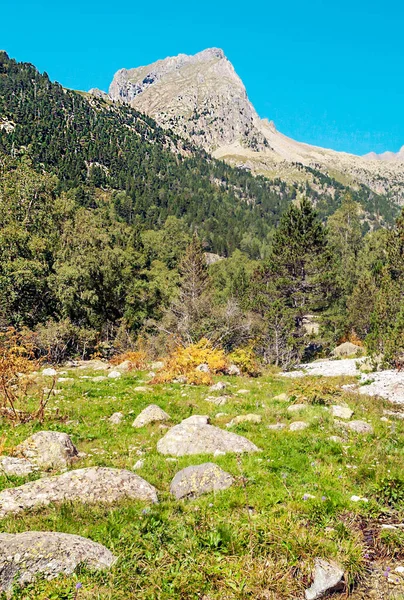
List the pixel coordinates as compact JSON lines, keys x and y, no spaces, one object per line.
{"x":328,"y":577}
{"x":200,"y":97}
{"x":23,"y":556}
{"x":196,"y":437}
{"x":49,"y":450}
{"x":91,"y":485}
{"x":151,"y":414}
{"x":194,"y":481}
{"x":346,"y":349}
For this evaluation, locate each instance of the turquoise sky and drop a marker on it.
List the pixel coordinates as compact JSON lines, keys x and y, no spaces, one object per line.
{"x":328,"y":73}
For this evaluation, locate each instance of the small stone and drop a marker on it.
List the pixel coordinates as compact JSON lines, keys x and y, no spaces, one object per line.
{"x":141,"y":388}
{"x":328,"y":577}
{"x":298,"y":426}
{"x":251,"y":418}
{"x":233,"y":370}
{"x":138,"y":465}
{"x":114,"y":375}
{"x":296,"y":407}
{"x":116,"y":418}
{"x":243,"y":392}
{"x":276,"y":426}
{"x":218,"y":400}
{"x":281,"y":398}
{"x":150,"y":414}
{"x":50,"y":372}
{"x":194,"y":481}
{"x":341,"y":412}
{"x":218,"y":387}
{"x":203,"y":368}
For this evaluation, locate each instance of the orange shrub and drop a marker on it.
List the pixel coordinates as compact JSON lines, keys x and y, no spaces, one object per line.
{"x":137,"y":360}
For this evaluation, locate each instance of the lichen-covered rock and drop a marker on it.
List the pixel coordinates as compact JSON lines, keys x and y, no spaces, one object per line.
{"x":357,"y":426}
{"x":251,"y":418}
{"x":328,"y":577}
{"x":49,"y":450}
{"x":194,"y":481}
{"x":23,"y":556}
{"x":90,"y":485}
{"x":150,"y":414}
{"x":11,"y":465}
{"x":193,"y":437}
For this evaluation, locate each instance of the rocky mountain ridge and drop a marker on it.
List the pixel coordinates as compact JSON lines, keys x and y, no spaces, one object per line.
{"x":202,"y":98}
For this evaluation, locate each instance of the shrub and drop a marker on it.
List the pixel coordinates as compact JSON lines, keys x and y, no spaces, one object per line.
{"x":58,"y":340}
{"x":246,"y":360}
{"x":183,"y":361}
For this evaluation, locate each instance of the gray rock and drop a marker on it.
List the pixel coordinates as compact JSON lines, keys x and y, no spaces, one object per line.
{"x":281,"y":398}
{"x":23,"y":556}
{"x":276,"y":426}
{"x":151,"y":414}
{"x":10,"y":465}
{"x":98,"y":378}
{"x":341,"y":412}
{"x":251,"y":418}
{"x":124,"y":366}
{"x":357,"y":426}
{"x":50,"y":372}
{"x":346,"y":349}
{"x":49,"y":450}
{"x":114,"y":374}
{"x":328,"y":577}
{"x":243,"y":392}
{"x":233,"y":370}
{"x":203,"y":368}
{"x":90,"y":485}
{"x":218,"y":387}
{"x":298,"y":426}
{"x":217,"y":400}
{"x":116,"y":418}
{"x":196,"y":420}
{"x":194,"y":481}
{"x":193,"y":437}
{"x":296,"y":407}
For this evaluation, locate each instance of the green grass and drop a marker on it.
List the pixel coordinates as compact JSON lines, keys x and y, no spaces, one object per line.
{"x":255,"y":540}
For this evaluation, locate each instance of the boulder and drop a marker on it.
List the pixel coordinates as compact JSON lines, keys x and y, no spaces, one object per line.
{"x":49,"y":450}
{"x":197,"y":437}
{"x":251,"y":418}
{"x":90,"y":485}
{"x":194,"y":481}
{"x":116,"y":418}
{"x":346,"y":349}
{"x":298,"y":426}
{"x":218,"y":400}
{"x":341,"y":412}
{"x":328,"y":577}
{"x":10,"y":465}
{"x":151,"y":414}
{"x":233,"y":370}
{"x":23,"y":556}
{"x":124,"y":366}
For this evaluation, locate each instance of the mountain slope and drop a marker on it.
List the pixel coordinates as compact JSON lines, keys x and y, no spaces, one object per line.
{"x":202,"y":98}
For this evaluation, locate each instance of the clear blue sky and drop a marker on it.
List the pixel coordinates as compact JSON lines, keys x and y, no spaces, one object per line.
{"x":326,"y":72}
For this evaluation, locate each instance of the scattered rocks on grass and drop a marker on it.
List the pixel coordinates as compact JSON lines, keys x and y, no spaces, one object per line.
{"x":49,"y":450}
{"x":341,"y":412}
{"x":114,"y":375}
{"x":10,"y":465}
{"x":90,"y":485}
{"x":116,"y":418}
{"x":151,"y":414}
{"x":298,"y":426}
{"x":328,"y":578}
{"x":194,"y":481}
{"x":217,"y":400}
{"x":50,"y":372}
{"x":251,"y":418}
{"x":65,"y":380}
{"x":192,"y":436}
{"x":23,"y":556}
